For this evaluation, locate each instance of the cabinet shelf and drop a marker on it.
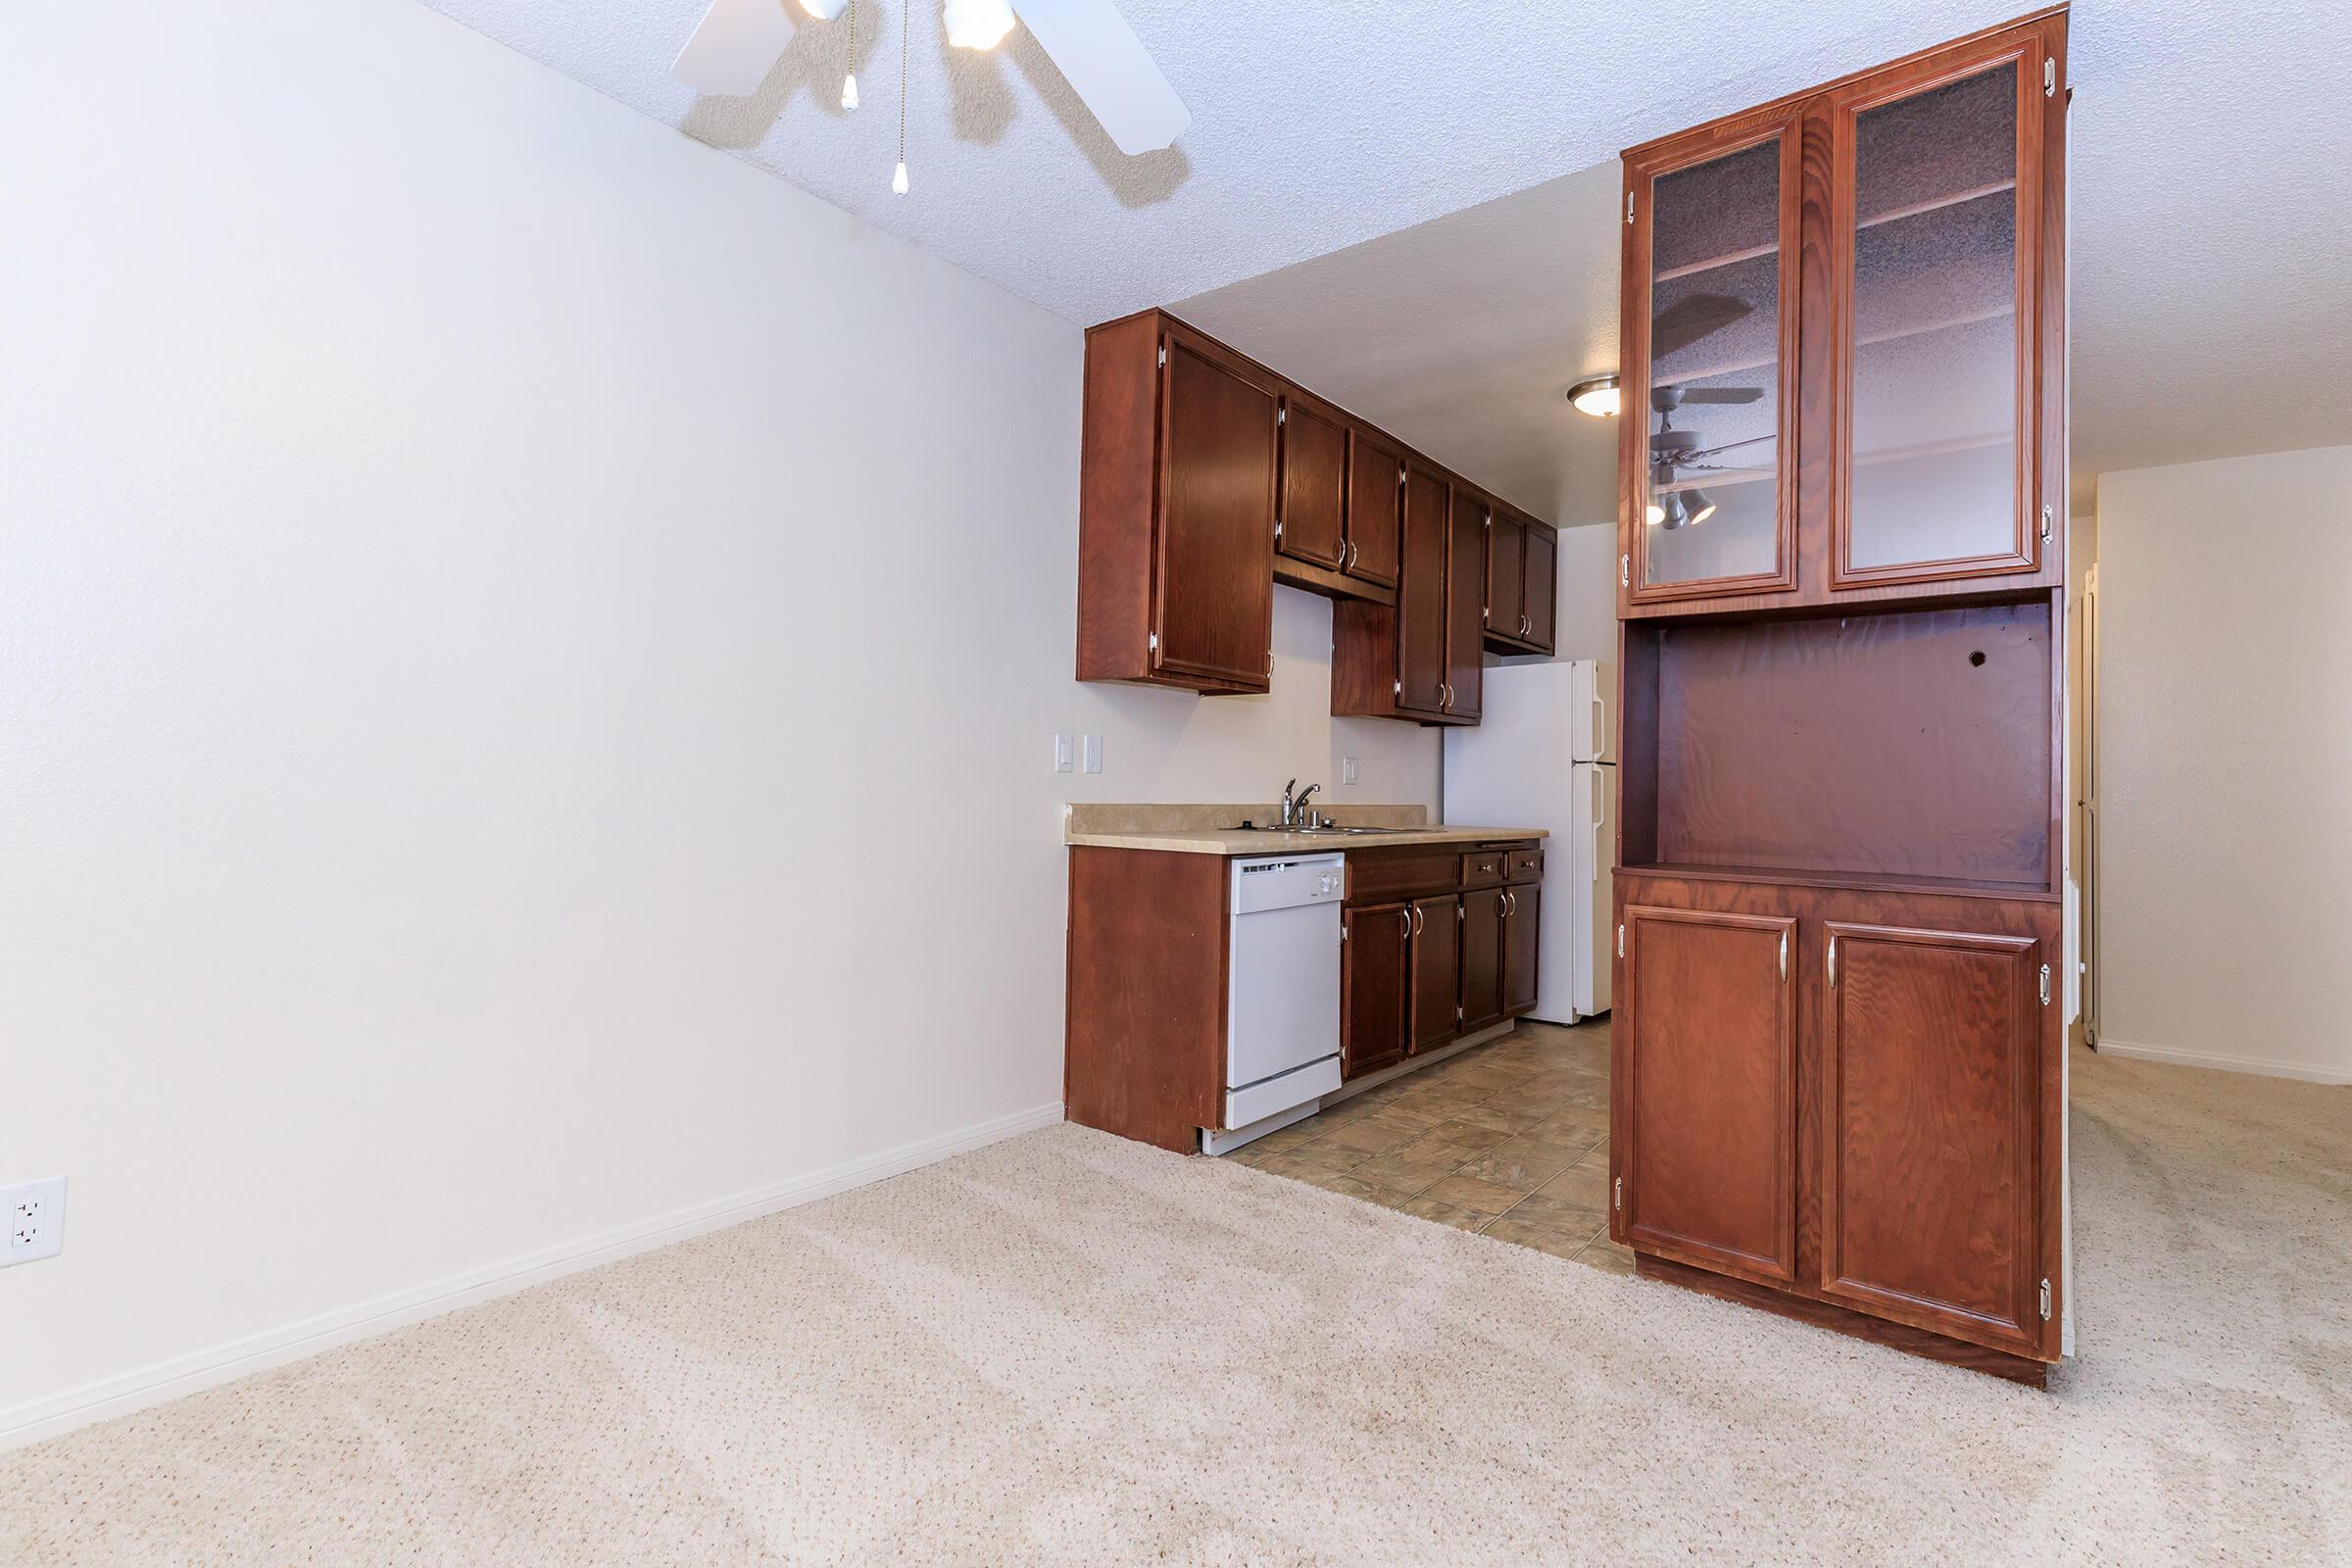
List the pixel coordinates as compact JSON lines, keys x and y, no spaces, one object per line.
{"x":1892,"y":334}
{"x":1892,"y":214}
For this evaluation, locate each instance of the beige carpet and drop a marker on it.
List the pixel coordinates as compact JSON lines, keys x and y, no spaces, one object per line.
{"x":1070,"y":1350}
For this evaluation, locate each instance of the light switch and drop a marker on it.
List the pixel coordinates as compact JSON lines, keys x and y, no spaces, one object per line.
{"x":1346,"y":769}
{"x":1062,"y":754}
{"x":1091,"y":753}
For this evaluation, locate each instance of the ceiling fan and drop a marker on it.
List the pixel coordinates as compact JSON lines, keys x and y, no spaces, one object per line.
{"x":1088,"y":40}
{"x":1673,"y":452}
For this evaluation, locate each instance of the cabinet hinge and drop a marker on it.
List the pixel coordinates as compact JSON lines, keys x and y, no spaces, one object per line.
{"x":1460,"y":913}
{"x":1629,"y":205}
{"x":1343,"y":930}
{"x":1155,"y":643}
{"x":1278,"y":531}
{"x":2046,"y":1300}
{"x":1397,"y":688}
{"x":1282,"y":416}
{"x":1618,"y":1198}
{"x":1163,"y":353}
{"x":1458,"y":1015}
{"x":1621,"y":941}
{"x":1625,"y":571}
{"x":1401,"y":476}
{"x":2046,"y":985}
{"x":2048,"y":519}
{"x":2049,"y":89}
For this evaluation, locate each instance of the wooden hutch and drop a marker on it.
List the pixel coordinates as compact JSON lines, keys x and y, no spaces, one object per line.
{"x":1839,"y":1062}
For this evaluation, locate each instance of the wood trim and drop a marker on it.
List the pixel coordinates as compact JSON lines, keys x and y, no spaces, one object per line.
{"x":1841,"y":1320}
{"x":1706,"y":145}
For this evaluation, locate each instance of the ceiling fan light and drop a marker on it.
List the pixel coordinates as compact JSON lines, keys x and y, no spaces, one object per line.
{"x":1655,"y":514}
{"x":823,"y":10}
{"x":977,"y":24}
{"x":1701,"y":508}
{"x":1598,"y":396}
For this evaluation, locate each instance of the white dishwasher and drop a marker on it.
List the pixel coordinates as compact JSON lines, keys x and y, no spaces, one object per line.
{"x":1282,"y":993}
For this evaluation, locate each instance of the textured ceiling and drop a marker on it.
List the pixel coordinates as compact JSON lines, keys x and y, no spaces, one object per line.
{"x":2211,"y":250}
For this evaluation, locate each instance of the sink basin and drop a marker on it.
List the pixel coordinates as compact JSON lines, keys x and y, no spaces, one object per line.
{"x":1276,"y":827}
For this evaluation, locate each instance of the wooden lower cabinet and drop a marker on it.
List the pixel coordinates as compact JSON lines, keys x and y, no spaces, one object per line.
{"x":1483,"y":957}
{"x":1706,"y":1083}
{"x":1437,"y":956}
{"x":1929,"y":1095}
{"x":1522,"y":926}
{"x":1376,"y":973}
{"x":1869,"y":1136}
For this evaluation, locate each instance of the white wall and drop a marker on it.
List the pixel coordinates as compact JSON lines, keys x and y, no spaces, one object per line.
{"x":533,"y":652}
{"x":2225,"y":735}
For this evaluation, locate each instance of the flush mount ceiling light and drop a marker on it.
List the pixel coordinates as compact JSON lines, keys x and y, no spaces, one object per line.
{"x":1597,"y":396}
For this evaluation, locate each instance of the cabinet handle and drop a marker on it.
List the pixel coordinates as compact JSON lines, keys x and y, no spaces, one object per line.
{"x":1350,"y":566}
{"x":1418,"y":922}
{"x":1448,"y":690}
{"x":1783,"y":957}
{"x":1833,"y":960}
{"x":1522,"y":625}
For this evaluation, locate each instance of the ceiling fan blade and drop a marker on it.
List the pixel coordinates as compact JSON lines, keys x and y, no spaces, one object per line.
{"x":1107,"y":65}
{"x":734,"y":48}
{"x":1722,"y":394}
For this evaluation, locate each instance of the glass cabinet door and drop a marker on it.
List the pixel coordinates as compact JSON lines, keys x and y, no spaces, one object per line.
{"x":1935,"y":330}
{"x":1714,"y":508}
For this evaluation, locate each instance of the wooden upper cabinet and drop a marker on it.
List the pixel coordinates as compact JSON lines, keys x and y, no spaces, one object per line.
{"x":1704,"y":1091}
{"x":1541,"y":575}
{"x":1375,"y":508}
{"x":1708,"y":443}
{"x":1421,"y":642}
{"x":1844,"y":340}
{"x":1932,"y":1097}
{"x":1309,"y":521}
{"x":1465,"y":606}
{"x":1934,"y":211}
{"x":1176,"y":511}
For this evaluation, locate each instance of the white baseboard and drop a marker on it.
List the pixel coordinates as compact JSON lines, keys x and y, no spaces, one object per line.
{"x":2303,"y":1070}
{"x":36,"y":1419}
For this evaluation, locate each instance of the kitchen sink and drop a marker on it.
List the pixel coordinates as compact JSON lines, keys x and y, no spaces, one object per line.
{"x":1349,"y":832}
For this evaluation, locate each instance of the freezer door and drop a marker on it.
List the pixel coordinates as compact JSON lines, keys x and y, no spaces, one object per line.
{"x":1592,"y":722}
{"x":1590,"y":890}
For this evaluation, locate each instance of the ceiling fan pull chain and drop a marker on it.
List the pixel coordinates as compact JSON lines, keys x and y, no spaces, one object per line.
{"x":849,"y":82}
{"x":897,"y":181}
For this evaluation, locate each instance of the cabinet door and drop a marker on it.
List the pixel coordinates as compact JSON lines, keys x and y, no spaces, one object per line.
{"x":1936,"y":200}
{"x":1315,"y":487}
{"x":1506,"y":583}
{"x":1709,"y":436}
{"x":1421,"y":597}
{"x":1375,"y":502}
{"x":1522,"y":917}
{"x":1465,"y":606}
{"x":1482,"y":956}
{"x":1437,"y":970}
{"x":1704,"y":1125}
{"x":1375,"y":982}
{"x":1541,"y":573}
{"x":1213,"y":589}
{"x":1930,"y":1095}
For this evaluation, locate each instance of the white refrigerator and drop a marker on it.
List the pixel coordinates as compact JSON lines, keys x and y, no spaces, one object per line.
{"x":1543,"y":754}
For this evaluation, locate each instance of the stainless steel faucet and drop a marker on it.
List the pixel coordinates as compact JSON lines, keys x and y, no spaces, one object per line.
{"x":1294,"y":812}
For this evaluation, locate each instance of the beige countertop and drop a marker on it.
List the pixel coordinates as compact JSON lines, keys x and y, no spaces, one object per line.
{"x":1210,"y":829}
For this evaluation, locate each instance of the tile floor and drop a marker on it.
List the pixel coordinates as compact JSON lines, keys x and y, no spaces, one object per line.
{"x":1509,"y":1139}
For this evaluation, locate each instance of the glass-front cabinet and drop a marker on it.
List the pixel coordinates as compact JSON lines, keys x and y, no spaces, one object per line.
{"x":1843,"y":340}
{"x":1709,"y":488}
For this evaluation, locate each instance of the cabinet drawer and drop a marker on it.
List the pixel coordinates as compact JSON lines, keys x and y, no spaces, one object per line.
{"x":1377,"y":877}
{"x":1525,"y":865}
{"x":1483,"y":869}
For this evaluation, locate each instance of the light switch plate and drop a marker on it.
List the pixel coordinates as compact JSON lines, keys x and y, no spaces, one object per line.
{"x":1091,"y":753}
{"x":35,"y":1212}
{"x":1062,"y":754}
{"x":1346,"y":769}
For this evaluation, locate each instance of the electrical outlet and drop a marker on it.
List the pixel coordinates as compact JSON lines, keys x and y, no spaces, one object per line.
{"x":37,"y":1220}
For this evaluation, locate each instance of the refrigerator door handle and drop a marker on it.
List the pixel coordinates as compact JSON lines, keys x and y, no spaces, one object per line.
{"x":1600,"y":719}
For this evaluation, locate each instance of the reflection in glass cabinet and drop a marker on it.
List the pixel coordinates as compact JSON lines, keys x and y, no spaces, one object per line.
{"x":1934,"y":328}
{"x":1712,"y":506}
